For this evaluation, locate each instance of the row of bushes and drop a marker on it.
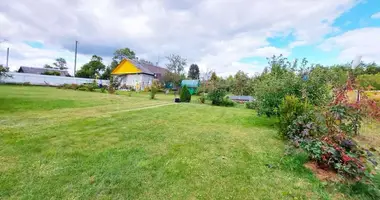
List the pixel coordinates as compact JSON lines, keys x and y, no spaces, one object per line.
{"x":90,"y":87}
{"x":217,"y":96}
{"x":82,"y":87}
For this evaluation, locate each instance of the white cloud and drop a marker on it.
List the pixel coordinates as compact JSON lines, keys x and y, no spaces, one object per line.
{"x":214,"y":33}
{"x":360,"y":42}
{"x":22,"y":54}
{"x":376,"y":16}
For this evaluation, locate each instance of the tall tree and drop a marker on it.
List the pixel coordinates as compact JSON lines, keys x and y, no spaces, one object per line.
{"x":3,"y":71}
{"x":205,"y":77}
{"x":107,"y":72}
{"x":60,"y":63}
{"x":176,"y":64}
{"x":47,"y":66}
{"x":92,"y":69}
{"x":372,"y":68}
{"x":194,"y":72}
{"x":241,"y":84}
{"x":120,"y":54}
{"x":214,"y":77}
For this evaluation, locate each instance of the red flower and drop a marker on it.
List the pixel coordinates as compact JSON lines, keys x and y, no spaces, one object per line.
{"x":346,"y":158}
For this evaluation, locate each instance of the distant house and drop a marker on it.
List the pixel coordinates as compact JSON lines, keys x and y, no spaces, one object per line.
{"x":192,"y":85}
{"x":35,"y":70}
{"x":137,"y":75}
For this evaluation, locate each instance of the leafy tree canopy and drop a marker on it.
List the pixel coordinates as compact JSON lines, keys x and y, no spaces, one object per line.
{"x":176,"y":64}
{"x":60,"y":63}
{"x":3,"y":71}
{"x":47,"y":66}
{"x":92,"y":69}
{"x":193,"y":72}
{"x":120,"y":54}
{"x":241,"y":84}
{"x":214,"y":77}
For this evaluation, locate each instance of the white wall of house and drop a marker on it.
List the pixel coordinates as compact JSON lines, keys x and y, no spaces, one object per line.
{"x":37,"y":79}
{"x":130,"y":79}
{"x":134,"y":80}
{"x":146,"y":80}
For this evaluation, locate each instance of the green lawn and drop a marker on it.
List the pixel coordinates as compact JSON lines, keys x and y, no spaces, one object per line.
{"x":63,"y":144}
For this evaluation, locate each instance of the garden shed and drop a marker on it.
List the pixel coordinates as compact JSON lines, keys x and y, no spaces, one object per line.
{"x":192,"y":85}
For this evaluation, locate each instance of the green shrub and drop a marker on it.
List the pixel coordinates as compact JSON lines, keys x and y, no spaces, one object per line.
{"x":64,"y":86}
{"x":91,"y":88}
{"x":82,"y":88}
{"x":270,"y":92}
{"x":51,"y":73}
{"x":103,"y":90}
{"x":345,"y":118}
{"x":284,"y":79}
{"x":290,"y":109}
{"x":250,"y":105}
{"x":185,"y":95}
{"x":202,"y":98}
{"x":70,"y":86}
{"x":216,"y":96}
{"x":73,"y":86}
{"x":153,"y":91}
{"x":111,"y":89}
{"x":369,"y":81}
{"x":227,"y":102}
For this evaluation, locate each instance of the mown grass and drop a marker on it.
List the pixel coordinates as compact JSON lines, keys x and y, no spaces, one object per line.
{"x":105,"y":147}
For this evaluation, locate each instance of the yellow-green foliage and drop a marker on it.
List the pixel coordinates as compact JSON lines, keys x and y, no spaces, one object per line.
{"x":370,"y":81}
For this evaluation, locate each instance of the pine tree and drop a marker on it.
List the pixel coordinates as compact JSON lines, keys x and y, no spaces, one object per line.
{"x":185,"y":95}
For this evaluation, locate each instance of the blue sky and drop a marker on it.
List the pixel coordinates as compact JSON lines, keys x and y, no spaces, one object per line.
{"x":358,"y":17}
{"x":219,"y":35}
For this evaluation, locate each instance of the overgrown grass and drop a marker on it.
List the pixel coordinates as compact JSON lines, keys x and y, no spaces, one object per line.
{"x":109,"y":147}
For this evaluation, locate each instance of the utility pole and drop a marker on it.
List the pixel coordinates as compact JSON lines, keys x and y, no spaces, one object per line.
{"x":6,"y":64}
{"x":75,"y":61}
{"x":158,"y":60}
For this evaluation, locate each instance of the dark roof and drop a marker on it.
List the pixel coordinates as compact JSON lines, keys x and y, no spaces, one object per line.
{"x":149,"y":69}
{"x":242,"y":98}
{"x":36,"y":70}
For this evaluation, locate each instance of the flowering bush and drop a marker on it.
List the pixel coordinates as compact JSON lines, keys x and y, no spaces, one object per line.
{"x":339,"y":153}
{"x":325,"y":133}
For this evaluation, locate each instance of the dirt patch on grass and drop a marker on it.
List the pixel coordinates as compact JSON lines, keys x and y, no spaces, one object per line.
{"x":321,"y":174}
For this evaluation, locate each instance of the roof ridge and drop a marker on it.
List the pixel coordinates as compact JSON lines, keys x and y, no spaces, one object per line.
{"x":44,"y":68}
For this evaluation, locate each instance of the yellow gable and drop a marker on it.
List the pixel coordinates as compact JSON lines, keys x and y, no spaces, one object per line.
{"x":126,"y":67}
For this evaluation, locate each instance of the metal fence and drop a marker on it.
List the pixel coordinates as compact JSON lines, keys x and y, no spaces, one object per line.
{"x":36,"y":79}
